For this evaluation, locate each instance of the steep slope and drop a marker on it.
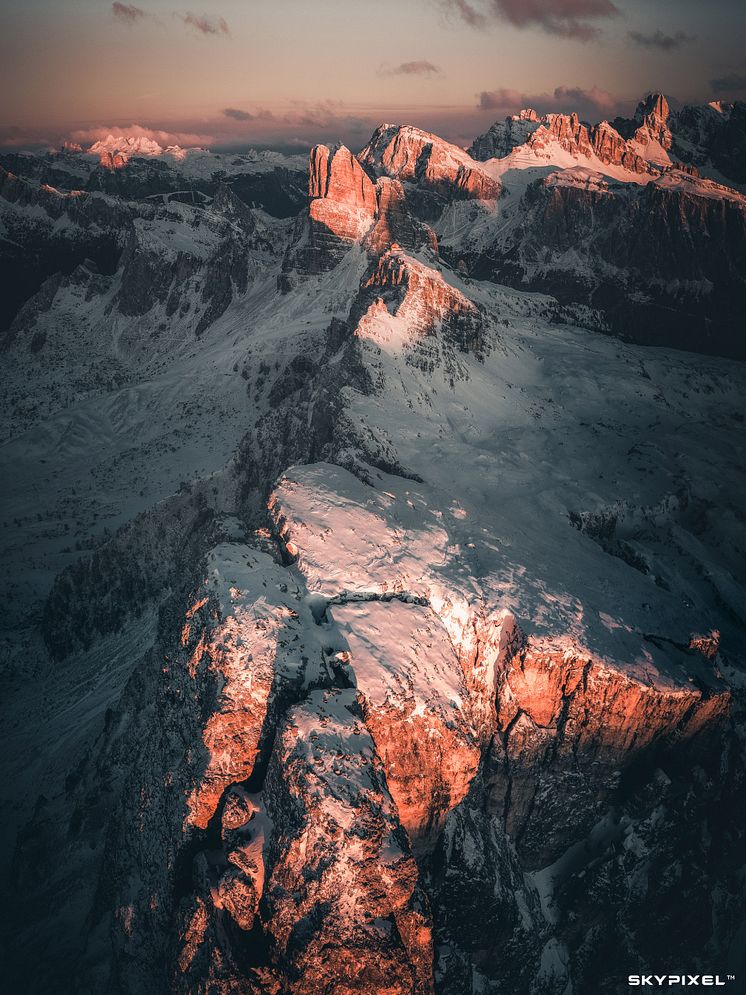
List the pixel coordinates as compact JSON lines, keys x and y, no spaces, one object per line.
{"x":435,"y":167}
{"x":663,"y":262}
{"x":435,"y":675}
{"x":711,"y":138}
{"x":347,"y":208}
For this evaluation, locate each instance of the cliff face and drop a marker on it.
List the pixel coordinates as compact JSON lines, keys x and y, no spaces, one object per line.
{"x":346,"y":771}
{"x":408,"y":154}
{"x":346,"y":208}
{"x":677,"y":242}
{"x":342,"y":197}
{"x":503,"y":136}
{"x":708,"y":137}
{"x":566,"y":718}
{"x":567,"y":132}
{"x":563,"y":131}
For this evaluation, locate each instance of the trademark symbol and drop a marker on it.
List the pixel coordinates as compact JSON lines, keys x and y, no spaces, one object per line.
{"x":731,"y":977}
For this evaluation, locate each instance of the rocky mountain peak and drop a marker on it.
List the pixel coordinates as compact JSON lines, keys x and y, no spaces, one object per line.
{"x":653,"y":109}
{"x":412,"y":155}
{"x":336,"y":175}
{"x":114,"y":151}
{"x":346,"y":207}
{"x":569,"y":133}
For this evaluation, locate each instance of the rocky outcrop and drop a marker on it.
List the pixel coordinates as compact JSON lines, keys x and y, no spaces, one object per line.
{"x":413,"y":156}
{"x":678,"y":243}
{"x":346,"y":208}
{"x":422,"y":301}
{"x":394,"y":222}
{"x":652,"y":116}
{"x":49,"y":233}
{"x":416,"y":708}
{"x":344,"y":904}
{"x":714,"y":136}
{"x":602,"y":141}
{"x":503,"y":136}
{"x":198,"y":273}
{"x":571,"y":742}
{"x":341,"y":210}
{"x":565,"y":716}
{"x":342,"y":197}
{"x":710,"y":136}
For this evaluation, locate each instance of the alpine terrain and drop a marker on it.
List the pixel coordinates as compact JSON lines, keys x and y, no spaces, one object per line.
{"x":373,"y":535}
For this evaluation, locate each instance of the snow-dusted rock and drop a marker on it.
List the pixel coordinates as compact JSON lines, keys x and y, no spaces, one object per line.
{"x":410,"y":155}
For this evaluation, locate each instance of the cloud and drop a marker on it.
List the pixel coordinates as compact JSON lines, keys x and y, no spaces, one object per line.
{"x":205,"y":25}
{"x":127,"y":12}
{"x":492,"y":100}
{"x":588,"y":103}
{"x":566,"y":18}
{"x":326,"y":118}
{"x":660,"y":40}
{"x":582,"y":99}
{"x":729,"y":83}
{"x":420,"y":67}
{"x":468,"y":13}
{"x":88,"y":136}
{"x":238,"y":115}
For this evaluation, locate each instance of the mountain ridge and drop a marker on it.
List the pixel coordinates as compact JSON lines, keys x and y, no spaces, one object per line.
{"x":373,"y":623}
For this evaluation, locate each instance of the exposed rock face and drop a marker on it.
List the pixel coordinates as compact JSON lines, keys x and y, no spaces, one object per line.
{"x":709,"y":137}
{"x":422,"y":298}
{"x":569,"y":133}
{"x":678,"y":240}
{"x":564,"y":716}
{"x":409,"y":155}
{"x":342,"y":197}
{"x":49,"y":233}
{"x":112,"y":160}
{"x":346,"y":208}
{"x":655,"y":138}
{"x":395,"y":224}
{"x":200,"y":274}
{"x":336,"y":175}
{"x":652,"y":116}
{"x":416,"y":709}
{"x":503,"y":136}
{"x":567,"y":724}
{"x":164,"y":259}
{"x":712,"y":135}
{"x":345,"y":907}
{"x":341,"y":210}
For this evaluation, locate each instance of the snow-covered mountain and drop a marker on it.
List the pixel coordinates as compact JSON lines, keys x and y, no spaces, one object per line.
{"x":373,"y":621}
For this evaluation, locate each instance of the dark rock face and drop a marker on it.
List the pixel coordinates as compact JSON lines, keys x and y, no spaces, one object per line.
{"x":116,"y":237}
{"x":712,"y":135}
{"x":664,"y":261}
{"x":40,"y":245}
{"x":503,"y":136}
{"x":395,"y":224}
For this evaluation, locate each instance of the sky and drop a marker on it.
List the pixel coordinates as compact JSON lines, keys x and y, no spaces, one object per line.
{"x":289,"y":73}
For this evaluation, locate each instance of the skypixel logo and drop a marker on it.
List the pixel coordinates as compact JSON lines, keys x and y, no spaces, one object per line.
{"x":679,"y":980}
